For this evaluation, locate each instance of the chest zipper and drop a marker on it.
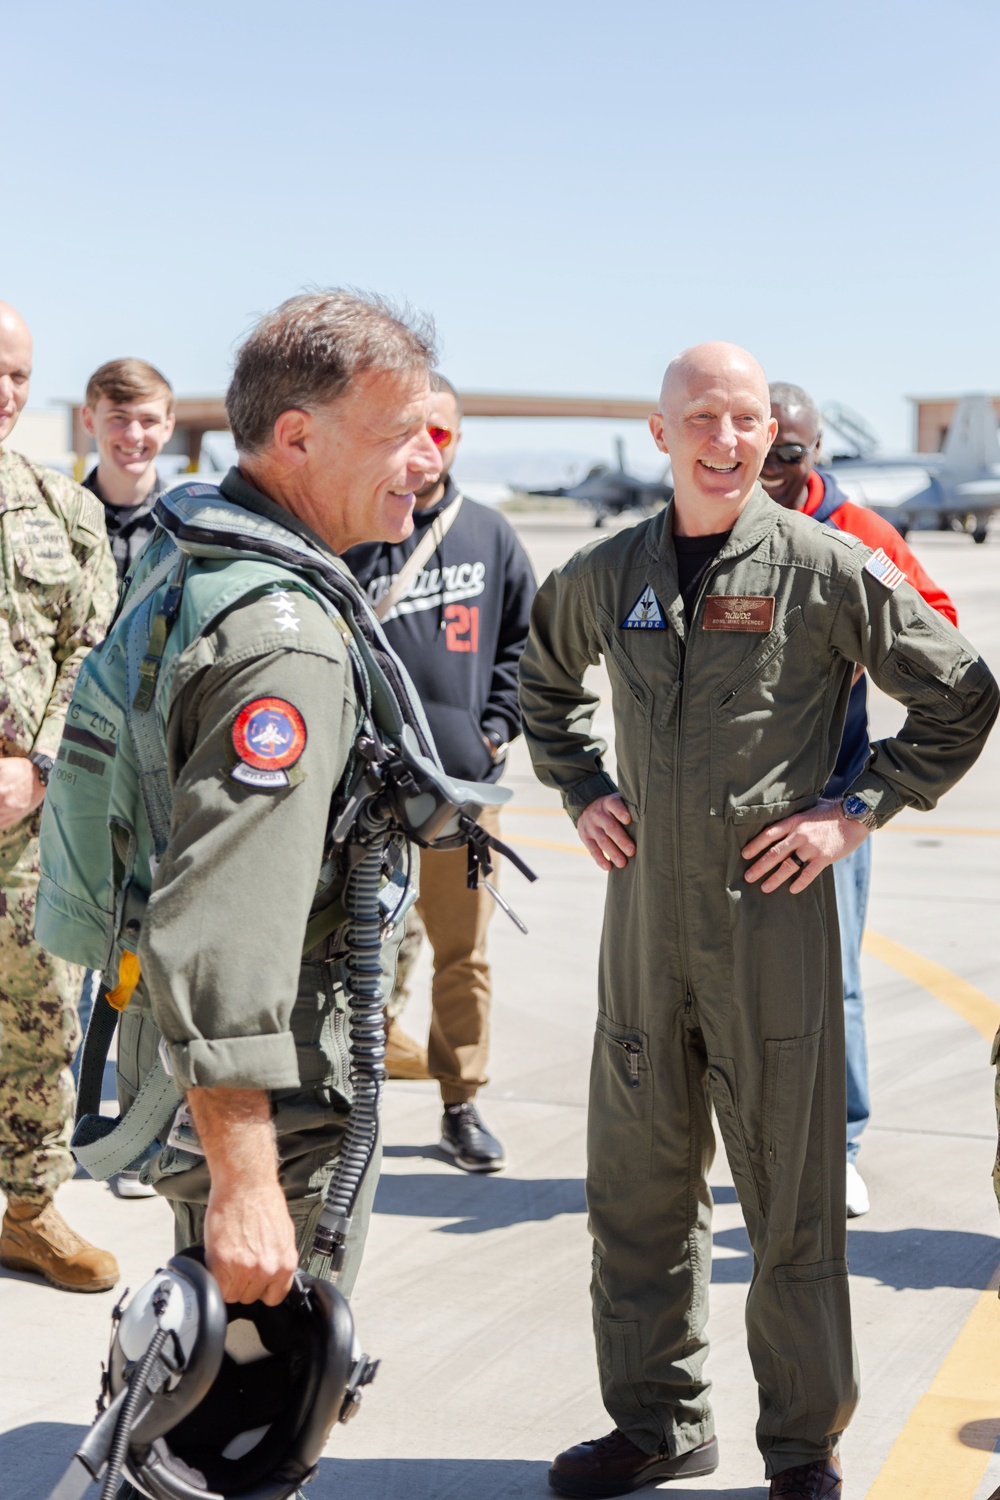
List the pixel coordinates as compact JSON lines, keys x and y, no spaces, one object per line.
{"x":678,"y":740}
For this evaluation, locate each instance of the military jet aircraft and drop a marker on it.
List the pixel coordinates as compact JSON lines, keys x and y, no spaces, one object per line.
{"x":612,"y":491}
{"x":957,"y":489}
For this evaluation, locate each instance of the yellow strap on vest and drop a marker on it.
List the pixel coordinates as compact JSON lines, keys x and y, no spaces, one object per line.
{"x":128,"y":978}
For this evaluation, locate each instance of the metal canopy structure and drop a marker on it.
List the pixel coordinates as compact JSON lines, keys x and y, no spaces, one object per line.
{"x":197,"y":415}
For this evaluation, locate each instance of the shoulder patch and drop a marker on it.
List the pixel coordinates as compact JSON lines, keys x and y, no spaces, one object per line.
{"x":81,"y":511}
{"x":645,"y":613}
{"x":269,"y":736}
{"x":881,"y":566}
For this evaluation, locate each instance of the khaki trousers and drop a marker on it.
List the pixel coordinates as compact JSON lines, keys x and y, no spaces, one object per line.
{"x":455,"y":920}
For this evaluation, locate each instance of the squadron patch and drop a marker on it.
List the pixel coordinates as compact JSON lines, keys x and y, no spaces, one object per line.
{"x":881,"y":566}
{"x":269,"y":736}
{"x":645,"y":613}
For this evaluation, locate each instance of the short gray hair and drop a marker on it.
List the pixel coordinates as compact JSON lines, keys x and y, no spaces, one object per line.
{"x":306,"y":352}
{"x":793,"y":398}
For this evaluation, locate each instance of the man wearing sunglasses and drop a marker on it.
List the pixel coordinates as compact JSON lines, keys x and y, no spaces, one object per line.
{"x":454,"y":599}
{"x":790,"y":477}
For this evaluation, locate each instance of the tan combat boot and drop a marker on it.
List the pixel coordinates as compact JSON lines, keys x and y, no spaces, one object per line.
{"x":404,"y":1058}
{"x":35,"y":1237}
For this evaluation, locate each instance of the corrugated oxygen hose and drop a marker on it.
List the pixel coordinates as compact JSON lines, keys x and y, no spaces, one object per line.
{"x":367,"y":1030}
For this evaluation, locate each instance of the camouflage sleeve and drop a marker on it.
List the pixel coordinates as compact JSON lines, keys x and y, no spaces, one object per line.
{"x":89,"y":607}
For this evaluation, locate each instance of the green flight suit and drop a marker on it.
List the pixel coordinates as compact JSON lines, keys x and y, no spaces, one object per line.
{"x":712,"y":993}
{"x":224,"y":979}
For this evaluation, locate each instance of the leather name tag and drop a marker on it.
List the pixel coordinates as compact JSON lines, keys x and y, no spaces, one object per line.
{"x":752,"y":612}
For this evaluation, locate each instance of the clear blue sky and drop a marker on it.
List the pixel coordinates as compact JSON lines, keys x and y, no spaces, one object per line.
{"x":575,"y":190}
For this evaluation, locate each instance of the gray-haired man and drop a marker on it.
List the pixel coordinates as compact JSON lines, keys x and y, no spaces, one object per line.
{"x":328,"y":407}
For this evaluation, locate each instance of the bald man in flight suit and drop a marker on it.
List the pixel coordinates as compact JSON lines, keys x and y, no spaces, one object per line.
{"x":731,"y":630}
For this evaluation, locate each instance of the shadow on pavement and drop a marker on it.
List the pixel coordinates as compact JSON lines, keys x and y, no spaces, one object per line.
{"x":981,"y":1434}
{"x":34,"y":1457}
{"x":904,"y":1259}
{"x":923,"y":1259}
{"x":479,"y":1203}
{"x":484,"y":1202}
{"x":440,"y":1478}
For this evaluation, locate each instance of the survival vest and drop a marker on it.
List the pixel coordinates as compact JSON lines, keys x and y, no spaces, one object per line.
{"x":106,"y":817}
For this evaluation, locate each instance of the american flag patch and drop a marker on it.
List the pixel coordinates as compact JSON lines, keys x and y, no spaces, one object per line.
{"x":881,"y":566}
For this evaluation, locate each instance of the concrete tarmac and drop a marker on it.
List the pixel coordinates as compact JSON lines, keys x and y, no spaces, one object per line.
{"x":474,"y":1291}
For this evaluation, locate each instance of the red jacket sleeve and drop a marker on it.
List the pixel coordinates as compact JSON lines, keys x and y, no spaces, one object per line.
{"x":876,"y":532}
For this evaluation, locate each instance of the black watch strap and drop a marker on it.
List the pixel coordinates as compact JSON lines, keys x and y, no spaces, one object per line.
{"x":43,"y":764}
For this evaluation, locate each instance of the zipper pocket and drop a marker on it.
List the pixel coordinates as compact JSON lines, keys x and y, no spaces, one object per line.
{"x":633,"y":1052}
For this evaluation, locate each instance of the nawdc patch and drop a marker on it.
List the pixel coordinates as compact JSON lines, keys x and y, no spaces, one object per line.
{"x":881,"y":566}
{"x":269,"y":736}
{"x":645,"y":613}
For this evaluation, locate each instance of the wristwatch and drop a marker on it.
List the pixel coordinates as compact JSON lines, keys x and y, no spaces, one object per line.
{"x":43,"y":764}
{"x":499,"y":744}
{"x":857,"y":809}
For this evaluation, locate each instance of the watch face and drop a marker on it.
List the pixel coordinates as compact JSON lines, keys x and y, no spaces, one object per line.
{"x":857,"y":809}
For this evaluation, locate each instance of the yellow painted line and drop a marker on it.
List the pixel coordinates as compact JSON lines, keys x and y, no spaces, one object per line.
{"x":522,"y":838}
{"x":929,"y":829}
{"x":963,"y":998}
{"x":536,"y":812}
{"x":929,"y":1460}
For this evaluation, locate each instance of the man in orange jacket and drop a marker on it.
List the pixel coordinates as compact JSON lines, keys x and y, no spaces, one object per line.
{"x":790,"y":477}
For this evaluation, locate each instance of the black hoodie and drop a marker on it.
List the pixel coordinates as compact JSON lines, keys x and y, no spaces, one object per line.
{"x":460,"y":628}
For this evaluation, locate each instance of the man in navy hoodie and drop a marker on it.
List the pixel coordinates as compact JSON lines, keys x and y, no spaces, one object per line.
{"x":459,"y":624}
{"x":790,"y":477}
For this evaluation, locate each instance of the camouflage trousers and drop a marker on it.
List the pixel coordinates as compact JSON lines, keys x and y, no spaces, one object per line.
{"x":39,"y":1035}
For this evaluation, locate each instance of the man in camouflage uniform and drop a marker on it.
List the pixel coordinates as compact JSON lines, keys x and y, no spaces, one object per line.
{"x":58,"y":582}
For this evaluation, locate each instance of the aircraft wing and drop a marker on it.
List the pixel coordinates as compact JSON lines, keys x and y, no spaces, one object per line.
{"x":887,"y":487}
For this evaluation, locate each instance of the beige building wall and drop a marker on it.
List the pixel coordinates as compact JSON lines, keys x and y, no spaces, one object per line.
{"x":44,"y":437}
{"x":931,"y":419}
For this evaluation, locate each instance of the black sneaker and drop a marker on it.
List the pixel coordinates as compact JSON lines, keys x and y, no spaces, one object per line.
{"x":466,"y":1138}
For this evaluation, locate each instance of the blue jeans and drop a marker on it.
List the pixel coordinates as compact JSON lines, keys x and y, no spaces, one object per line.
{"x":851,"y":877}
{"x":91,"y":981}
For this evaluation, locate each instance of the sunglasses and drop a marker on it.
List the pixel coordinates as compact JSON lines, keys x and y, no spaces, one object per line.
{"x":440,"y":436}
{"x":789,"y":453}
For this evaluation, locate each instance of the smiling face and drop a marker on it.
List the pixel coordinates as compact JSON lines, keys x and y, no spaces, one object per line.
{"x":129,"y":434}
{"x":714,"y":421}
{"x":350,"y":469}
{"x":15,"y":367}
{"x":787,"y":483}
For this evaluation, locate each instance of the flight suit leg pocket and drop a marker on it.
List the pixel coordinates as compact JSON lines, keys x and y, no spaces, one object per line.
{"x":789,"y":1082}
{"x":620,"y":1117}
{"x":793,"y":1135}
{"x":816,"y":1310}
{"x":619,"y":1357}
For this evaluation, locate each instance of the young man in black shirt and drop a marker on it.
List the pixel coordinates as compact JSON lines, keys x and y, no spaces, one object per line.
{"x":130,"y":415}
